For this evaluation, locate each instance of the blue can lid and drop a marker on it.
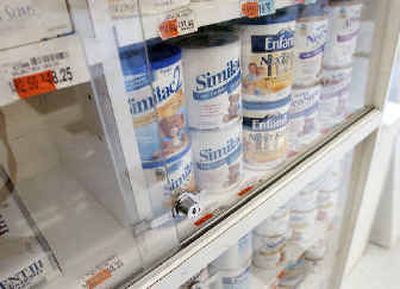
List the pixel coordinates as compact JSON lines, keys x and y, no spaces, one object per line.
{"x":133,"y":57}
{"x":280,"y":16}
{"x":310,"y":10}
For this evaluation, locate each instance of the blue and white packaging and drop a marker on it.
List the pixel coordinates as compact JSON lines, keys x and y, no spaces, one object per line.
{"x":303,"y":117}
{"x":310,"y":39}
{"x":212,"y":67}
{"x":217,"y":158}
{"x":265,"y":133}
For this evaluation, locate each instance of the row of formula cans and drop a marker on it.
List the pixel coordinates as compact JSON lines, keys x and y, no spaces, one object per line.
{"x":206,"y":102}
{"x":266,"y":249}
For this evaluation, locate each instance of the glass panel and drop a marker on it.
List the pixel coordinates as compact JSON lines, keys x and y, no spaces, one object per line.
{"x":295,"y":247}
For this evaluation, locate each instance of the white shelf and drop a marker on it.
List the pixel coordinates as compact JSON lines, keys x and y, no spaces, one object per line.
{"x":209,"y":246}
{"x":206,"y":12}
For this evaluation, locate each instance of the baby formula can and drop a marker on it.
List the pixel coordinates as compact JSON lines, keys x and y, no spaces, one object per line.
{"x":218,"y":157}
{"x":165,"y":177}
{"x":265,"y":133}
{"x":310,"y":39}
{"x":303,"y":117}
{"x":344,"y":26}
{"x":333,"y":105}
{"x":268,"y":251}
{"x":159,"y":116}
{"x":276,"y":225}
{"x":237,"y":279}
{"x":267,"y":56}
{"x":213,"y":79}
{"x":237,"y":256}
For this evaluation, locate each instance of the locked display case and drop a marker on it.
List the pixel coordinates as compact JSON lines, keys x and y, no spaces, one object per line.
{"x":140,"y":140}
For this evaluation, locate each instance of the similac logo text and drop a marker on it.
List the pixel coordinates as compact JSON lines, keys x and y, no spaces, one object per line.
{"x":179,"y":176}
{"x":160,"y":95}
{"x":210,"y":85}
{"x":211,"y":158}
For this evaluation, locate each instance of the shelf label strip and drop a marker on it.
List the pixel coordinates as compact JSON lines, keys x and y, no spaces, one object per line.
{"x":257,"y":8}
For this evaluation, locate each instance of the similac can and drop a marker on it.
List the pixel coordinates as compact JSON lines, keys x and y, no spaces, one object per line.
{"x":267,"y":56}
{"x":159,"y":116}
{"x":303,"y":117}
{"x":333,"y":104}
{"x":265,"y":133}
{"x":344,"y":26}
{"x":218,"y":156}
{"x":166,"y":177}
{"x":310,"y":39}
{"x":211,"y":62}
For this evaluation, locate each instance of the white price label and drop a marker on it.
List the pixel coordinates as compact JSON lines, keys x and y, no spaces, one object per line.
{"x":257,"y":8}
{"x":177,"y":23}
{"x":308,"y":2}
{"x":41,"y":68}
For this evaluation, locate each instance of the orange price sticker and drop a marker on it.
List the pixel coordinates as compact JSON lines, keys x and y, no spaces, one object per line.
{"x":34,"y":84}
{"x":203,"y":219}
{"x":250,"y":9}
{"x":245,"y":191}
{"x":98,"y":279}
{"x":169,"y":28}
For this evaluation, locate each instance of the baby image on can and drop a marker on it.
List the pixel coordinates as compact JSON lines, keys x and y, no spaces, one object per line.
{"x":159,"y":116}
{"x":303,"y":117}
{"x":213,"y":79}
{"x":310,"y":39}
{"x":218,"y":157}
{"x":265,"y":133}
{"x":267,"y":56}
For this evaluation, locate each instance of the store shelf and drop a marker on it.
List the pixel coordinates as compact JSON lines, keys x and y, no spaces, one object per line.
{"x":206,"y":13}
{"x":199,"y":252}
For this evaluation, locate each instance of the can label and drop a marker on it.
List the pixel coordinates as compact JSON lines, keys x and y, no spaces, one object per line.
{"x":265,"y":132}
{"x":213,"y":90}
{"x":344,"y":27}
{"x":167,"y":176}
{"x":268,"y":62}
{"x":327,"y":202}
{"x":333,"y":105}
{"x":159,"y":117}
{"x":310,"y":40}
{"x":218,"y":157}
{"x":237,"y":280}
{"x":276,"y":225}
{"x":303,"y":115}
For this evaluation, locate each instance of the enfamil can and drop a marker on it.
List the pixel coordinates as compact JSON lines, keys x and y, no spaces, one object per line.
{"x":218,"y":156}
{"x":211,"y":60}
{"x":267,"y":56}
{"x":265,"y":133}
{"x":310,"y":39}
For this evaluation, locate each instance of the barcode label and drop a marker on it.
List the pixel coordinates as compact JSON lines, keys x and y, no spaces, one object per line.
{"x":257,"y":8}
{"x":42,"y":67}
{"x":3,"y":226}
{"x":266,"y":7}
{"x":180,"y":22}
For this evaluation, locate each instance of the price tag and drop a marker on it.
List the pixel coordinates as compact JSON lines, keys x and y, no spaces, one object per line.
{"x":308,"y":2}
{"x":257,"y":8}
{"x":40,"y":68}
{"x":34,"y":84}
{"x":101,"y":273}
{"x":177,"y":23}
